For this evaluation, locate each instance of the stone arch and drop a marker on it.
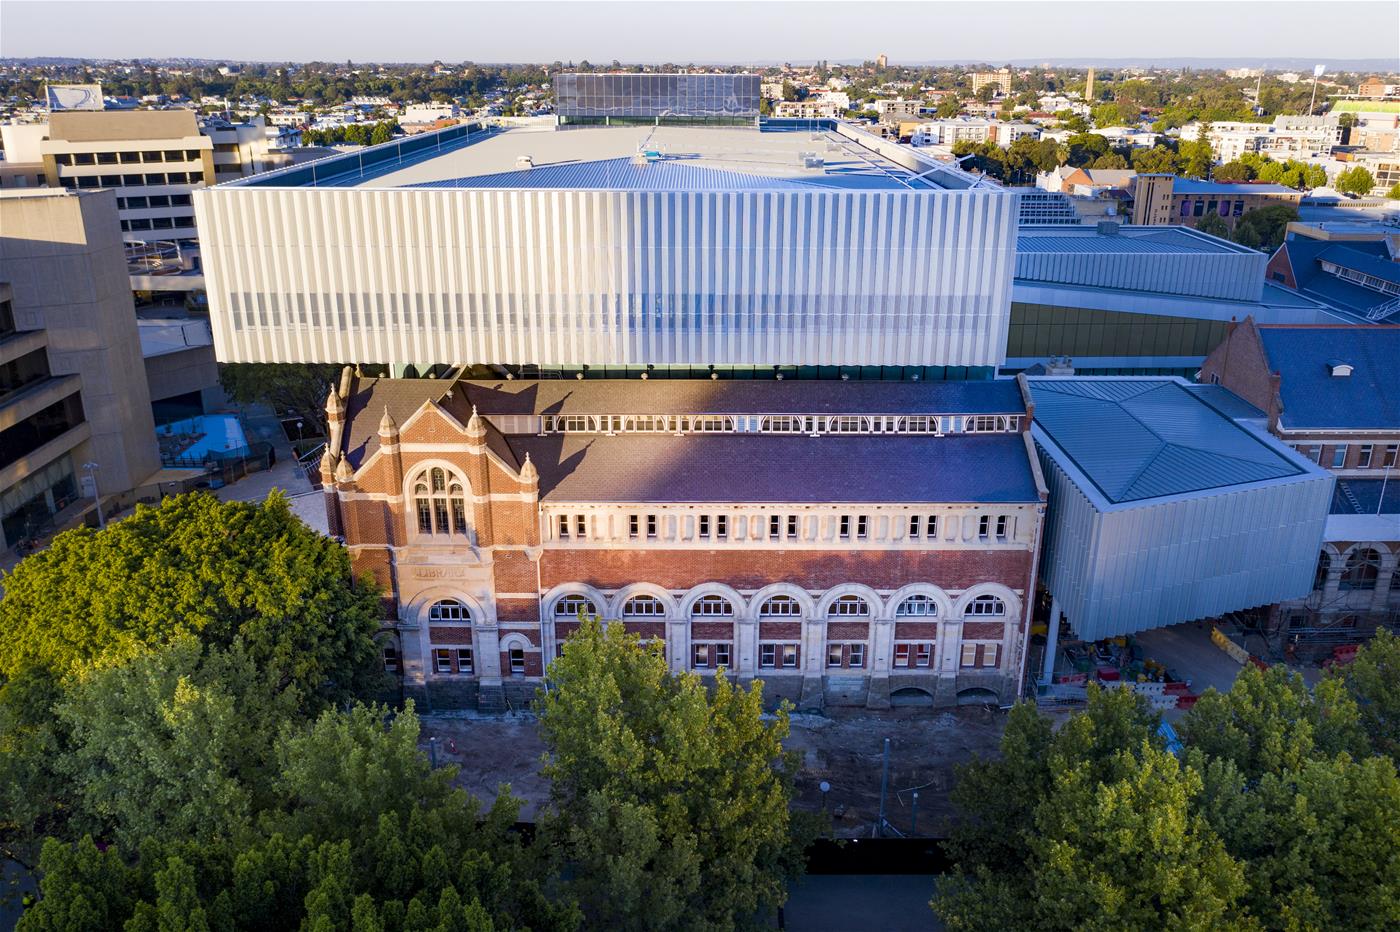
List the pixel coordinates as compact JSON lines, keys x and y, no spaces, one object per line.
{"x":978,"y":695}
{"x":1012,"y":600}
{"x":516,"y":639}
{"x":941,"y":598}
{"x":454,"y":473}
{"x":912,"y":696}
{"x":741,"y":605}
{"x":422,"y":603}
{"x":600,"y":601}
{"x":620,"y":598}
{"x":804,"y":599}
{"x":877,"y":604}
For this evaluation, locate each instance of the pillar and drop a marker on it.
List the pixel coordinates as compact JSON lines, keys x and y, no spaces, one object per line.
{"x":1052,"y":638}
{"x":813,"y":663}
{"x":492,"y":694}
{"x":881,"y":656}
{"x":746,"y":648}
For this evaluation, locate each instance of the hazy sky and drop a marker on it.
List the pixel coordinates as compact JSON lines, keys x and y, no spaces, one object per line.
{"x":658,"y":31}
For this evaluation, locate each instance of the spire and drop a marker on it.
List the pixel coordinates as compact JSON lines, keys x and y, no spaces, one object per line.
{"x":343,"y":472}
{"x":334,"y":404}
{"x":388,"y":430}
{"x":328,"y":462}
{"x":475,"y":428}
{"x":528,"y":473}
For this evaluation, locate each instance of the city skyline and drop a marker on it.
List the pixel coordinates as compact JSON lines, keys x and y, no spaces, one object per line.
{"x":689,"y":32}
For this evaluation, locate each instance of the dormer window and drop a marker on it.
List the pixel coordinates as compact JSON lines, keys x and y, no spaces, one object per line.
{"x":1338,"y":369}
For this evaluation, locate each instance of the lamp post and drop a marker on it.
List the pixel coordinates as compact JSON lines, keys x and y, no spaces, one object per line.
{"x":91,"y":469}
{"x":299,"y":422}
{"x":1317,"y":73}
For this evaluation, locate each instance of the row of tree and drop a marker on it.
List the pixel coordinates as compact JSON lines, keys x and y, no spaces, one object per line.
{"x":1279,"y":810}
{"x":356,"y":134}
{"x":189,"y":741}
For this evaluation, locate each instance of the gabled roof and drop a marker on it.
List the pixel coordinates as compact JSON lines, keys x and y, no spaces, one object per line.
{"x":1313,"y":398}
{"x":1369,"y":262}
{"x":1193,"y":186}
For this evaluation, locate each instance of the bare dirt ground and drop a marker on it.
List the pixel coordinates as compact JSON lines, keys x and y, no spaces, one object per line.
{"x":843,"y":747}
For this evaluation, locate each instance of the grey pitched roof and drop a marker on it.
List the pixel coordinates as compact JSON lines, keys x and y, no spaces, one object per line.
{"x":1138,"y":439}
{"x":743,"y":468}
{"x":1313,"y":398}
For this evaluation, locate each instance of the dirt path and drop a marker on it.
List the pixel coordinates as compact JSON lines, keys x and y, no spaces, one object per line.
{"x":842,"y":747}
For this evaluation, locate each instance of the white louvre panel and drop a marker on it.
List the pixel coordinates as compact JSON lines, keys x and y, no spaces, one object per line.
{"x":571,"y":277}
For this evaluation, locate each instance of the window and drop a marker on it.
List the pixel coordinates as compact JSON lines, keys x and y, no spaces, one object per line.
{"x":983,"y":526}
{"x":711,"y":606}
{"x":917,"y":606}
{"x":923,"y":654}
{"x":517,"y":660}
{"x":1324,"y":566}
{"x":722,"y":527}
{"x":1238,"y":209}
{"x":1001,"y":527}
{"x":442,"y":660}
{"x":1363,"y":456}
{"x":768,"y":655}
{"x":969,"y":655}
{"x":570,"y":606}
{"x":1198,"y":209}
{"x":1211,"y":206}
{"x":1339,"y":456}
{"x":721,"y":655}
{"x":464,"y":660}
{"x":704,"y":525}
{"x":848,"y":606}
{"x":632,"y":524}
{"x":790,"y":650}
{"x":986,"y":605}
{"x":913,"y":526}
{"x":857,"y":655}
{"x":901,"y":655}
{"x":1185,"y":208}
{"x":1392,"y":452}
{"x":833,"y":655}
{"x":700,"y":656}
{"x":780,"y":606}
{"x":989,"y":655}
{"x":845,"y":527}
{"x":581,"y":525}
{"x":563,"y":527}
{"x":390,"y":655}
{"x":449,"y":610}
{"x":643,"y":606}
{"x":1313,"y":453}
{"x":775,"y":526}
{"x":862,"y":527}
{"x":1362,"y":569}
{"x":792,"y":527}
{"x":440,"y":502}
{"x":651,"y":527}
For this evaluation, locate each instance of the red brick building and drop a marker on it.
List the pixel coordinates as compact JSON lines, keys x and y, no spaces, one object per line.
{"x":847,"y":542}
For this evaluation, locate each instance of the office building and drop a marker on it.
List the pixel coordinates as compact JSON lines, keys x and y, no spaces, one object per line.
{"x":614,"y":250}
{"x":629,"y":99}
{"x":1152,"y":199}
{"x":72,"y":382}
{"x":1192,"y":199}
{"x":892,"y":111}
{"x":809,"y":109}
{"x":1332,"y":394}
{"x":849,"y":542}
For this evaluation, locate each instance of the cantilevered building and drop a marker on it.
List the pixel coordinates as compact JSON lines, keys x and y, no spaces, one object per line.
{"x":619,"y":249}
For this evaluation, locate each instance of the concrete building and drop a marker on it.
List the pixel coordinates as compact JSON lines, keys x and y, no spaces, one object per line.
{"x":666,"y":249}
{"x":1001,"y":79}
{"x":810,"y":109}
{"x":948,"y":133}
{"x":1192,"y":199}
{"x":892,"y":111}
{"x":72,"y":385}
{"x":1287,"y":137}
{"x":1152,"y":199}
{"x":1331,"y":393}
{"x":850,"y":543}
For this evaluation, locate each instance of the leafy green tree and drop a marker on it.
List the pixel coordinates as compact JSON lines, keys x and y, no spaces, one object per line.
{"x":283,"y":386}
{"x":1159,"y":159}
{"x":670,"y":801}
{"x":1084,"y":148}
{"x":81,"y":889}
{"x":1196,"y":156}
{"x":1264,"y":227}
{"x":197,"y":566}
{"x":1394,"y":192}
{"x":1373,"y":681}
{"x":381,"y":134}
{"x":1233,"y":172}
{"x":1356,"y":180}
{"x":1215,"y":225}
{"x":949,"y":107}
{"x":1110,"y":160}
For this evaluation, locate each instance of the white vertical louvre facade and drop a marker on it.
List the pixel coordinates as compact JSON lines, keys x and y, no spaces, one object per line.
{"x":607,"y":277}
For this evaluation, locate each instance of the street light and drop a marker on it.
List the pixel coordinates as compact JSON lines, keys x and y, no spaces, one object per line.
{"x":298,"y":430}
{"x":825,"y":788}
{"x":91,"y":469}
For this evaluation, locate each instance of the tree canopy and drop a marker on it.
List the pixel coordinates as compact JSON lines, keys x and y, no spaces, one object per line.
{"x":1355,"y":180}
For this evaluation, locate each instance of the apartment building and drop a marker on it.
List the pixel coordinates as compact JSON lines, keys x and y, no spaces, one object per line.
{"x":953,"y":131}
{"x":1332,"y":394}
{"x":1287,"y":137}
{"x":72,"y":381}
{"x":1001,"y":79}
{"x":810,"y":109}
{"x":892,"y":111}
{"x":850,"y":543}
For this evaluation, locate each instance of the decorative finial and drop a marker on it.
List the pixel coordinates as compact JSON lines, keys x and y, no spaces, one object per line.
{"x":528,"y":473}
{"x":475,"y":428}
{"x":334,"y":403}
{"x":343,"y":472}
{"x":387,"y":427}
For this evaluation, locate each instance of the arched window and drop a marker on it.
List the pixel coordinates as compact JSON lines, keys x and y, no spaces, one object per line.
{"x":449,"y":610}
{"x":848,"y":606}
{"x":643,"y":606}
{"x":711,"y":606}
{"x":986,"y":605}
{"x":1324,"y":566}
{"x":1362,"y":569}
{"x":781,"y":606}
{"x":571,"y":605}
{"x":439,"y":498}
{"x":917,"y":605}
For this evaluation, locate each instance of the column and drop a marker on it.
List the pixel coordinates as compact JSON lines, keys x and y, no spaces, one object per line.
{"x":813,"y":663}
{"x":678,"y":644}
{"x":491,"y":696}
{"x":746,"y":648}
{"x":1052,"y":639}
{"x":881,"y":656}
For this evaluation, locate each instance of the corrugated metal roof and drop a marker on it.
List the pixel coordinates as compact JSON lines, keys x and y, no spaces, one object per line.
{"x":1138,"y":439}
{"x":1367,"y":262}
{"x":668,"y":174}
{"x":1192,"y":186}
{"x":1092,"y":242}
{"x":1314,"y":398}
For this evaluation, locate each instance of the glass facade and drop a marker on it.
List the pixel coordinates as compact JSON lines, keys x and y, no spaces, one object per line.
{"x":1043,"y":330}
{"x":25,"y":507}
{"x":582,"y":98}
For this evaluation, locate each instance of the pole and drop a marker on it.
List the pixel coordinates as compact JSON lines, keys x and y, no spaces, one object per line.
{"x":1381,"y":500}
{"x":914,"y":821}
{"x":884,"y":788}
{"x":432,"y":752}
{"x":1313,"y":99}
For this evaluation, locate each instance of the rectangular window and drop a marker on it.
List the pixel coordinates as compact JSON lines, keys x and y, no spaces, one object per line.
{"x":775,"y":526}
{"x":1314,"y":453}
{"x":1363,"y":457}
{"x":563,"y":527}
{"x":721,"y":655}
{"x":1198,"y":209}
{"x":990,"y":655}
{"x":390,"y":654}
{"x":862,"y":527}
{"x":901,"y":655}
{"x":983,"y":526}
{"x":722,"y":526}
{"x":700,"y":656}
{"x":845,"y":527}
{"x":464,"y":660}
{"x":969,"y":655}
{"x":923,"y":653}
{"x":581,"y":525}
{"x":833,"y":655}
{"x":768,"y":655}
{"x":1238,"y":209}
{"x":931,"y":529}
{"x":651,"y":527}
{"x":913,"y":526}
{"x":792,"y":527}
{"x":1392,"y":452}
{"x":857,"y":655}
{"x":632,"y":522}
{"x":442,"y":660}
{"x":425,"y":517}
{"x":1339,"y":456}
{"x":704,"y":525}
{"x":789,"y":655}
{"x":1001,"y":527}
{"x":517,"y":660}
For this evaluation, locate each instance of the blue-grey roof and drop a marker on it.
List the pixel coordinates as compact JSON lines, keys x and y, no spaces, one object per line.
{"x":1226,"y":402}
{"x":667,"y":174}
{"x":1138,"y":439}
{"x":1367,"y":261}
{"x":1305,"y":256}
{"x":1088,"y":241}
{"x":1313,"y":398}
{"x":1192,"y":186}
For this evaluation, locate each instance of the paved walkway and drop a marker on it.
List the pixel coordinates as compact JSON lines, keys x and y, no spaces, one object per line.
{"x":848,"y":902}
{"x":286,"y":474}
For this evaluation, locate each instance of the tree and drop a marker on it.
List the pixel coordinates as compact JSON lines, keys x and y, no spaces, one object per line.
{"x":1394,"y":192}
{"x":1373,"y":681}
{"x":1196,"y":156}
{"x":670,"y":801}
{"x":1110,"y":160}
{"x":986,"y":92}
{"x":949,"y":107}
{"x":381,"y":134}
{"x":1159,"y":159}
{"x":1084,"y":148}
{"x":283,"y":386}
{"x":1355,"y":180}
{"x":1264,"y":227}
{"x":1233,"y":172}
{"x":1214,"y":225}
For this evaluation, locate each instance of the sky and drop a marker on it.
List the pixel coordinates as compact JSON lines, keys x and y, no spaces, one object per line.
{"x":683,"y":32}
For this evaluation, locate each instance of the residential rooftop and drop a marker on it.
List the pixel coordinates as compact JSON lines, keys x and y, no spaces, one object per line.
{"x":1314,"y":398}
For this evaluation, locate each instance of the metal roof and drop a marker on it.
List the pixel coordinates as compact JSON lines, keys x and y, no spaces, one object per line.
{"x":1314,"y":398}
{"x":1368,"y":262}
{"x":1088,"y":240}
{"x":1139,"y":439}
{"x":1192,"y":186}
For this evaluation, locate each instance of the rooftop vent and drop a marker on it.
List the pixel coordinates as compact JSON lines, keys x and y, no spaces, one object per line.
{"x":1106,"y":228}
{"x":1338,"y":369}
{"x":814,"y":161}
{"x":524,"y":161}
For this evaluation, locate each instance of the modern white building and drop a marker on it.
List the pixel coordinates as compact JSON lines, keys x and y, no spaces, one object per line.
{"x":621,"y":248}
{"x":1287,"y":137}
